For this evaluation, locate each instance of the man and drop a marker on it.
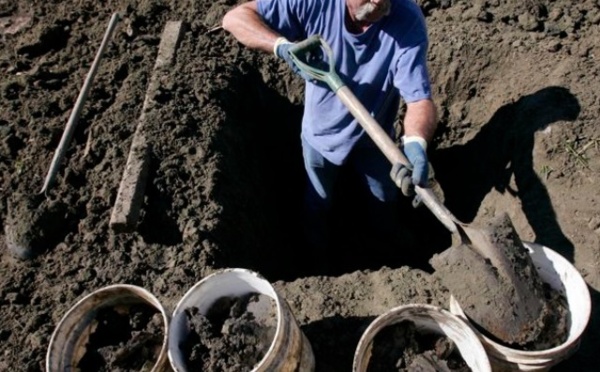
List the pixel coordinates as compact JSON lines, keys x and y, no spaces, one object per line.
{"x":380,"y":50}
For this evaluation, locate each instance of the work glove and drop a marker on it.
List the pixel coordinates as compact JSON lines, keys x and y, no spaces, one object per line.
{"x":281,"y":49}
{"x":415,"y":149}
{"x":402,"y":178}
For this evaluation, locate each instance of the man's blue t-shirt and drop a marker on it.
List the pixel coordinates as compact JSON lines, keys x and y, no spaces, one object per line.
{"x":380,"y":65}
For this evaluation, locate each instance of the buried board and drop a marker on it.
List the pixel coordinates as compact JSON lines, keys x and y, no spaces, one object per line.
{"x":126,"y":211}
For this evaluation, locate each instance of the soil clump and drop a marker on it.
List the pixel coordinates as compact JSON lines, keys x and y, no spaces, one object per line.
{"x":401,"y":347}
{"x":555,"y":330}
{"x":234,"y":335}
{"x":125,"y":339}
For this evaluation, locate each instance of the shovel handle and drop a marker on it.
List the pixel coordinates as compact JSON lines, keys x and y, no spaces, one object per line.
{"x":372,"y":127}
{"x":393,"y":154}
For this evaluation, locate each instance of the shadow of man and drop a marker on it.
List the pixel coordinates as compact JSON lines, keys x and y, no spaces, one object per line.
{"x":503,"y":149}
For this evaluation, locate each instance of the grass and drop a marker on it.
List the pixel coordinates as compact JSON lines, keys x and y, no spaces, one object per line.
{"x":545,"y":172}
{"x":579,"y":155}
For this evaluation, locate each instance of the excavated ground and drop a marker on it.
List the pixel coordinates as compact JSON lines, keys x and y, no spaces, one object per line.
{"x":516,"y":87}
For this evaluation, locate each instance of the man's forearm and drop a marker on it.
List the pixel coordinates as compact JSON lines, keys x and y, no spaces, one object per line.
{"x":246,"y":25}
{"x":420,"y":119}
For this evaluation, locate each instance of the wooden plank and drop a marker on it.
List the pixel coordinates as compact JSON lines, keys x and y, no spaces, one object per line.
{"x":130,"y":196}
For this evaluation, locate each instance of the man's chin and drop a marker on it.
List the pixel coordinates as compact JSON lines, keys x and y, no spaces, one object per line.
{"x":377,"y":17}
{"x":374,"y":15}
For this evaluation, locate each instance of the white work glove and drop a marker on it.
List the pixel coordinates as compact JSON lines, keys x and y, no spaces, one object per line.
{"x":281,"y":49}
{"x":415,"y":150}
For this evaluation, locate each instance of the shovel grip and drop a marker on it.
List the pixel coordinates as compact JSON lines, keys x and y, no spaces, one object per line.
{"x":307,"y":44}
{"x":301,"y":53}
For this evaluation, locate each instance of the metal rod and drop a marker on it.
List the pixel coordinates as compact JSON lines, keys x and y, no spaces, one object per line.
{"x":74,"y":118}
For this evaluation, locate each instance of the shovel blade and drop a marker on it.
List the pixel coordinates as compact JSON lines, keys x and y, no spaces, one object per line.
{"x":493,"y":278}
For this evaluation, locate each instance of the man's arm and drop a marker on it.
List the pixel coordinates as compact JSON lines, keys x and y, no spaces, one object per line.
{"x":420,"y":123}
{"x":247,"y":26}
{"x":420,"y":119}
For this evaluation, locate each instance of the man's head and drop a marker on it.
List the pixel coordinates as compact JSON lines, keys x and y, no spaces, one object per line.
{"x":372,"y":11}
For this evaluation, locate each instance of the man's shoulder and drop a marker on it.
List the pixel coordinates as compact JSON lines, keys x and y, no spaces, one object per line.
{"x":405,"y":17}
{"x":301,"y":7}
{"x":406,"y":10}
{"x":410,"y":6}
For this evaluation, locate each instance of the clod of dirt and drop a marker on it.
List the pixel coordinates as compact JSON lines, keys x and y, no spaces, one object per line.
{"x":127,"y":338}
{"x":508,"y":302}
{"x":401,"y":347}
{"x":554,"y":330}
{"x":33,"y":224}
{"x":556,"y":324}
{"x":234,"y":335}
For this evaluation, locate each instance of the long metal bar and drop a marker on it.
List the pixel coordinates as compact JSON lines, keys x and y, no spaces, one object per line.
{"x":74,"y":118}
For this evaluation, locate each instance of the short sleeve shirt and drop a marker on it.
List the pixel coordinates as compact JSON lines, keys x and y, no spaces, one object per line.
{"x":380,"y":65}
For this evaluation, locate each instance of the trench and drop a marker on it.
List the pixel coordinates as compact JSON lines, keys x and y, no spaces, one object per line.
{"x":276,"y":239}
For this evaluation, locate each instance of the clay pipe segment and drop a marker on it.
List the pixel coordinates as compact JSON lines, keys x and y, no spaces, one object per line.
{"x":74,"y":118}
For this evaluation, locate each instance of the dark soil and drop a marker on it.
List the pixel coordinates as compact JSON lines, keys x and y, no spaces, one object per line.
{"x":552,"y":333}
{"x":234,"y":335}
{"x":515,"y":82}
{"x":401,"y":347}
{"x":124,"y":339}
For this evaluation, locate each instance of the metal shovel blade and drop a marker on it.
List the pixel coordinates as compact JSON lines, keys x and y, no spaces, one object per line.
{"x":492,"y":276}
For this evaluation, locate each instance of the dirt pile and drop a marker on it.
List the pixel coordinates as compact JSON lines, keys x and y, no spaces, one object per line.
{"x":516,"y":86}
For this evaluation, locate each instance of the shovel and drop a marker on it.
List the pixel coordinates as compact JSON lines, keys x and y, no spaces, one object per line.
{"x":314,"y":57}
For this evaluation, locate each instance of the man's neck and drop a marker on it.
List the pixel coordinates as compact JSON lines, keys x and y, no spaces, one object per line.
{"x":354,"y":25}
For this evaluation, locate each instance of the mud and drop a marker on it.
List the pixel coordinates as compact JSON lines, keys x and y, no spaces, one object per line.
{"x":124,"y":339}
{"x":552,"y":333}
{"x":234,"y":335}
{"x":401,"y":347}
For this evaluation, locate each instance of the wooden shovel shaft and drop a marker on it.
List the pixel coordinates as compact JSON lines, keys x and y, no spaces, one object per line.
{"x":74,"y":118}
{"x":393,"y":154}
{"x":373,"y":129}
